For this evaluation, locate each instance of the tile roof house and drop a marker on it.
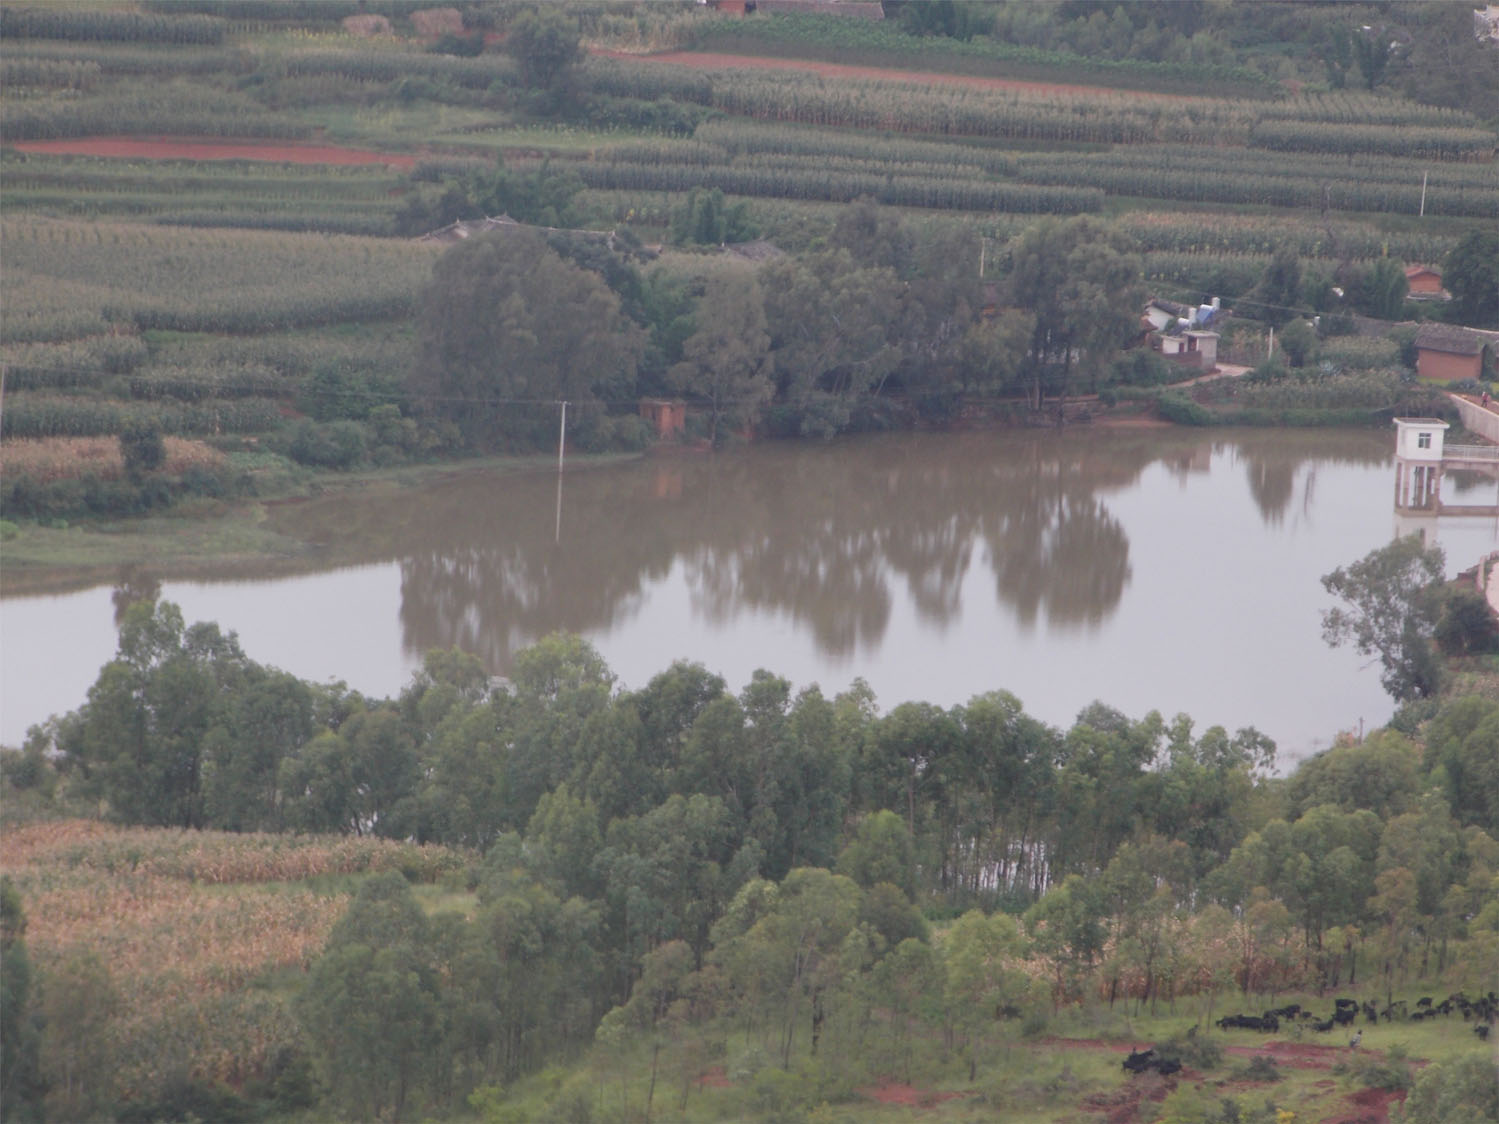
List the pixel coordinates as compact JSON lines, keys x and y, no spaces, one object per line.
{"x":1445,"y":352}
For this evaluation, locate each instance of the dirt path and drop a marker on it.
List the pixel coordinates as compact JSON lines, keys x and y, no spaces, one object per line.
{"x":704,"y":60}
{"x":180,"y":148}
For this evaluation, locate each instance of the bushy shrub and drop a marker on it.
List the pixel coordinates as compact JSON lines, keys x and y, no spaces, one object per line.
{"x":1178,"y":408}
{"x":142,"y":448}
{"x":1392,"y":1071}
{"x":338,"y":445}
{"x":1140,"y":367}
{"x":1197,"y":1051}
{"x":1466,"y":626}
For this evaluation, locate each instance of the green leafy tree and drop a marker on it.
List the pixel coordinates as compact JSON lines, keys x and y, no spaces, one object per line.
{"x":880,"y":851}
{"x":780,"y":948}
{"x":658,"y":1008}
{"x":1277,"y":297}
{"x":1391,"y":612}
{"x":704,"y":219}
{"x":726,"y":362}
{"x":830,"y":320}
{"x":1462,"y":752}
{"x":1449,"y":65}
{"x":986,"y":980}
{"x":1471,"y":275}
{"x":139,"y":740}
{"x":1383,"y":289}
{"x":22,"y":1089}
{"x":142,"y":448}
{"x":1461,"y":1091}
{"x":545,"y":44}
{"x":1299,"y":342}
{"x":1374,"y":48}
{"x":1082,"y":283}
{"x":510,"y":329}
{"x":372,"y":1007}
{"x":79,"y":1004}
{"x":1067,"y":928}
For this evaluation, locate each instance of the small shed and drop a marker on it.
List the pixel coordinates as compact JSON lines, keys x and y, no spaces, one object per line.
{"x":1419,"y":439}
{"x":1445,"y":352}
{"x":1424,"y":282}
{"x":1192,"y":348}
{"x":667,"y":415}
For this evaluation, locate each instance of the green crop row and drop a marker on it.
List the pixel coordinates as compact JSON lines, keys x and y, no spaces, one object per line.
{"x":1346,"y":107}
{"x":57,"y":21}
{"x":389,"y":66}
{"x":85,"y":173}
{"x":1436,"y":142}
{"x":1198,"y":234}
{"x":89,"y":275}
{"x":159,"y":109}
{"x":871,"y":42}
{"x":129,"y":59}
{"x":54,"y":74}
{"x":706,"y":156}
{"x":47,"y":415}
{"x":74,"y":363}
{"x":1225,"y":275}
{"x":241,"y":214}
{"x":1318,"y":192}
{"x":1292,"y":165}
{"x":747,"y":138}
{"x":908,"y":191}
{"x":198,"y":382}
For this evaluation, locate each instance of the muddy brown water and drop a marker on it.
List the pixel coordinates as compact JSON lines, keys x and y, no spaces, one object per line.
{"x":1149,"y":569}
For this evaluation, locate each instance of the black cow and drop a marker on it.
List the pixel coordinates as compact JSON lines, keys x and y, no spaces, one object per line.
{"x":1140,"y":1060}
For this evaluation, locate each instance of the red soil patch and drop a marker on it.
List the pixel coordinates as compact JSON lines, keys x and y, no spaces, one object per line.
{"x":176,"y":148}
{"x":1294,"y":1055}
{"x":1371,"y":1106}
{"x":890,"y":1092}
{"x":714,"y":1078}
{"x":704,"y":60}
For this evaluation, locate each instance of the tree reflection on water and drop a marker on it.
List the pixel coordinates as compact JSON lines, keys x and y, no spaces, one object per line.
{"x":831,"y":535}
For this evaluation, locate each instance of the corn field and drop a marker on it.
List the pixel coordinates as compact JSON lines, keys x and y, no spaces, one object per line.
{"x":67,"y":458}
{"x":187,"y":923}
{"x":68,"y":279}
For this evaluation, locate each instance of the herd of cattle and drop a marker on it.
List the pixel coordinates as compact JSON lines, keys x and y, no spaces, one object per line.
{"x":1481,"y":1011}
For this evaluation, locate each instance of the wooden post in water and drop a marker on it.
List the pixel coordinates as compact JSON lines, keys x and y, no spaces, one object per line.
{"x":561,"y":436}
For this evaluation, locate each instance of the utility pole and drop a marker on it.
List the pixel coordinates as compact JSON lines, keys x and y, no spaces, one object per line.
{"x":1423,"y":195}
{"x":561,"y":436}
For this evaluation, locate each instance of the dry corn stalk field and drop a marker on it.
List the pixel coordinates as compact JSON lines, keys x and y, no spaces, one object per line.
{"x":65,"y":458}
{"x":193,"y":928}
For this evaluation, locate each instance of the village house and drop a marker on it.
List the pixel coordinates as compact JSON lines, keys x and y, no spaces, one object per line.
{"x":1445,"y":352}
{"x":1180,"y":332}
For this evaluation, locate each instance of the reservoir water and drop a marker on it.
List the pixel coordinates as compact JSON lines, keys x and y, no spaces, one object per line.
{"x":1150,"y":569}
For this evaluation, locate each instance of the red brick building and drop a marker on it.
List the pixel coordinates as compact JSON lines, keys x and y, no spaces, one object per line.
{"x":1445,"y":352}
{"x":1424,"y":282}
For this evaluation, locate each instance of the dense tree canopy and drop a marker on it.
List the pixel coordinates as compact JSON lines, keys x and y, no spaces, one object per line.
{"x":510,"y":330}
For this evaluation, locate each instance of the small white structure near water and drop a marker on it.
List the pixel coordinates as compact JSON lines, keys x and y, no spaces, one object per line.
{"x":1418,"y":462}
